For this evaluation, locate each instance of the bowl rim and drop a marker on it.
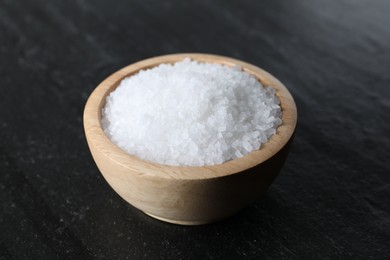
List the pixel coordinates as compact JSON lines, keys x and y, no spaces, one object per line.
{"x":100,"y":141}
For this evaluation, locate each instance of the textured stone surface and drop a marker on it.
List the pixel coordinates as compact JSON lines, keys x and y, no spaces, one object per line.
{"x":332,"y":198}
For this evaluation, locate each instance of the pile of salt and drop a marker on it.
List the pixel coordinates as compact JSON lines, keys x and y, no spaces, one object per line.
{"x":191,"y":114}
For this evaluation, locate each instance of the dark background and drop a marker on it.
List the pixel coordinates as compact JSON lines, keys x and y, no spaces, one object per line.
{"x":332,"y":198}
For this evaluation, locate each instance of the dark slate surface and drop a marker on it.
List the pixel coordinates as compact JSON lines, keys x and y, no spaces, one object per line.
{"x":332,"y":198}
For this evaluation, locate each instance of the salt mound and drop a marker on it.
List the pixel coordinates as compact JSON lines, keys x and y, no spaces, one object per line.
{"x":191,"y":114}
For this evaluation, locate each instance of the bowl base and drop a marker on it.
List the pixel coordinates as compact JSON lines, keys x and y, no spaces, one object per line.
{"x":183,"y":222}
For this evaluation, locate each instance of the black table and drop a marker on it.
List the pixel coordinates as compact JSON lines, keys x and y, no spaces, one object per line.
{"x":332,"y":198}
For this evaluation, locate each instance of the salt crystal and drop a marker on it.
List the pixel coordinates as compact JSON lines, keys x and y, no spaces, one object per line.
{"x":191,"y":113}
{"x":238,"y":154}
{"x":247,"y":146}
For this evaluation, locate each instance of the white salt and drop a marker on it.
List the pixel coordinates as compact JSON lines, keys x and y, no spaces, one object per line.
{"x":191,"y":113}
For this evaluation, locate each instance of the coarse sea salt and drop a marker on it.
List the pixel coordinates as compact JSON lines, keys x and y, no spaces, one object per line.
{"x":191,"y":114}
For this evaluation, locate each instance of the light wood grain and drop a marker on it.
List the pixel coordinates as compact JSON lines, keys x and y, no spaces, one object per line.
{"x":188,"y":195}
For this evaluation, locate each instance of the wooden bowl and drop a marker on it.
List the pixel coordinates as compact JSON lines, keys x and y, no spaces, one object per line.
{"x":188,"y":195}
